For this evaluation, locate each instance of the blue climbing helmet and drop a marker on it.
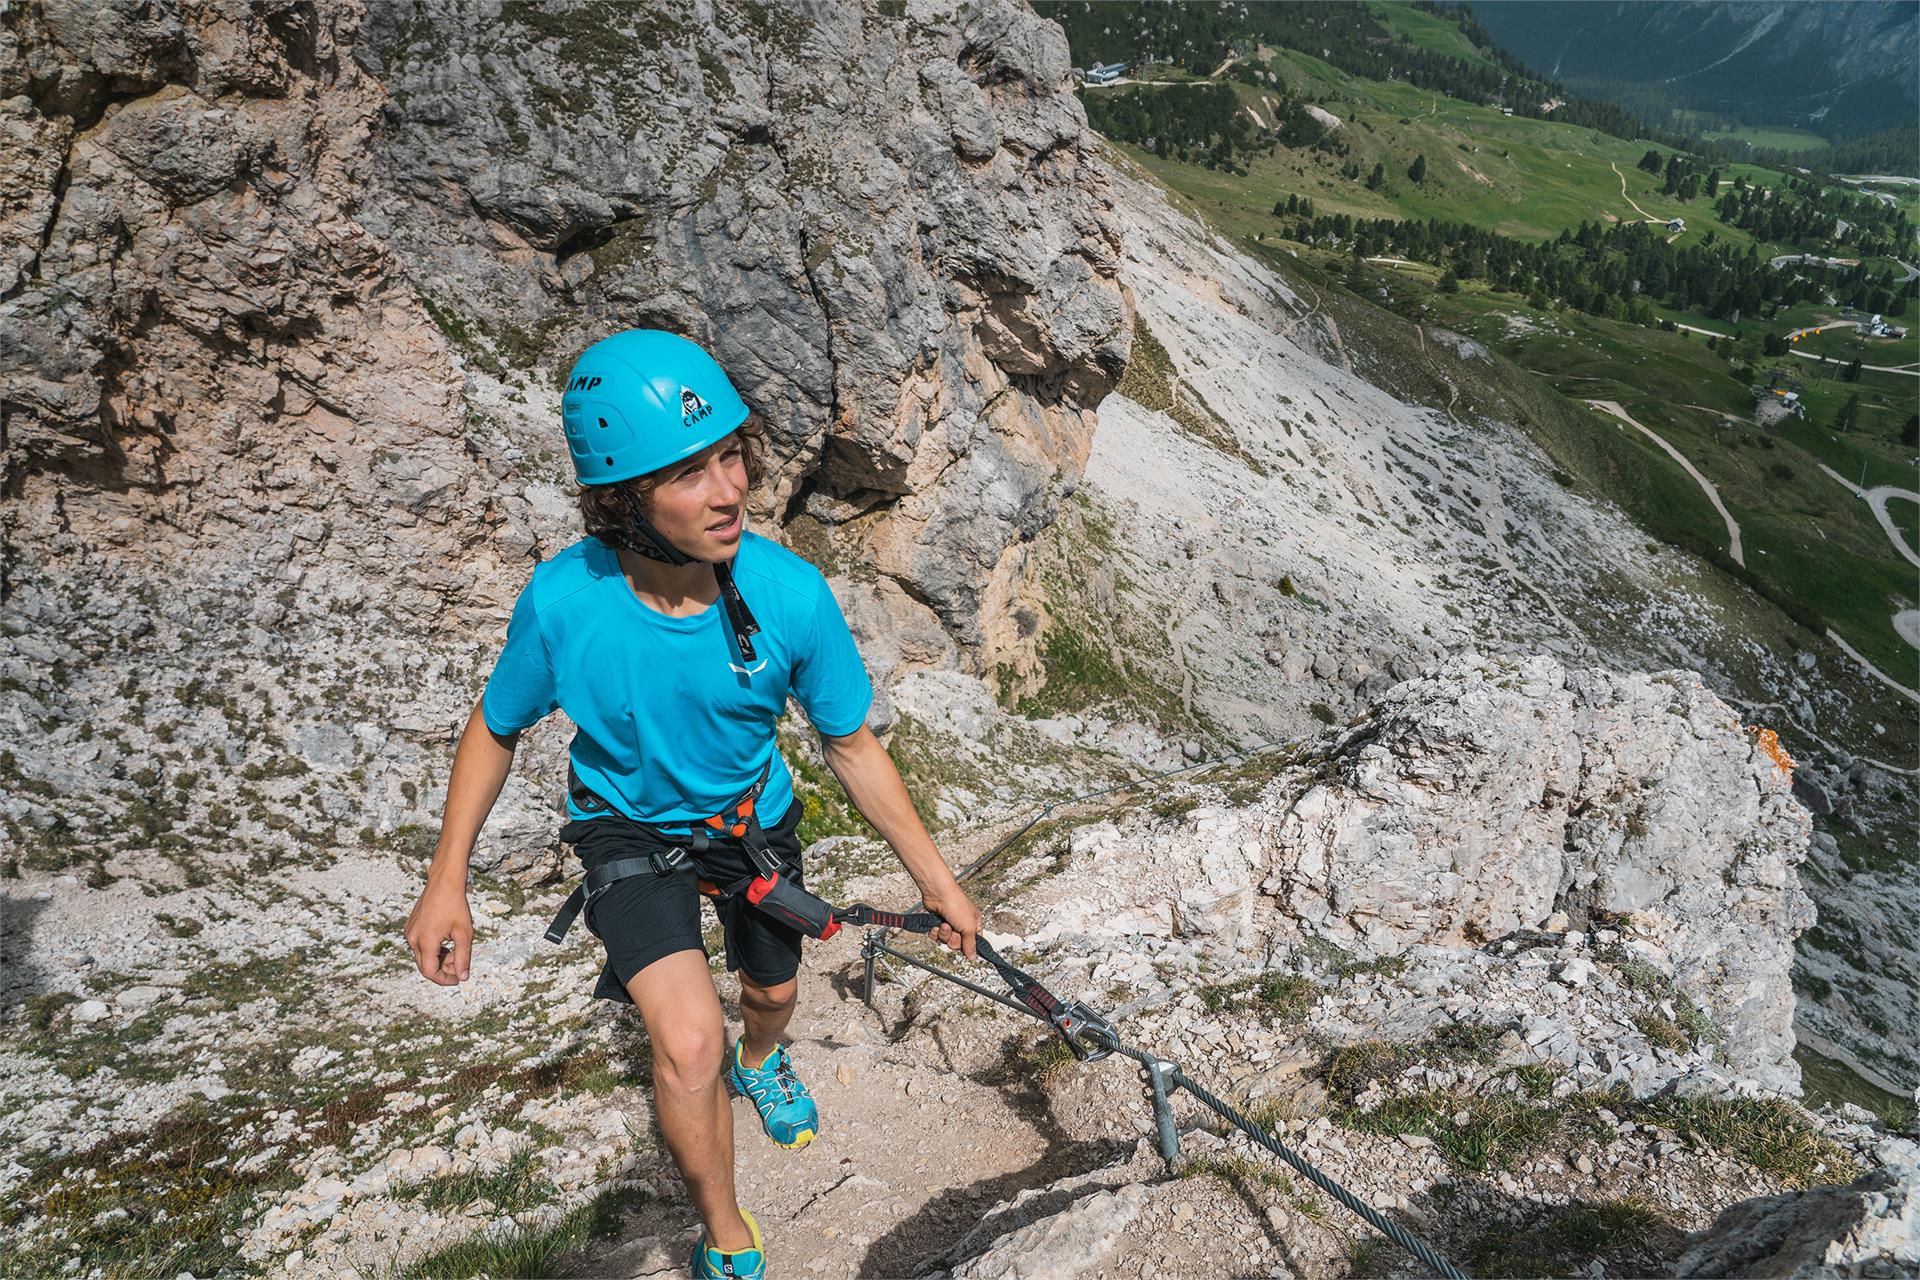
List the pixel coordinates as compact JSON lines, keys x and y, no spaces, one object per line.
{"x":642,"y":399}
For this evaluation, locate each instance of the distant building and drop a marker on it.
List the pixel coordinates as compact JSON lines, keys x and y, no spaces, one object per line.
{"x":1506,"y":111}
{"x":1879,"y":328}
{"x":1676,"y":224}
{"x":1105,"y":72}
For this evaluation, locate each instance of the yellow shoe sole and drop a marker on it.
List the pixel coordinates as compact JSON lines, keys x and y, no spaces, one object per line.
{"x":806,"y":1136}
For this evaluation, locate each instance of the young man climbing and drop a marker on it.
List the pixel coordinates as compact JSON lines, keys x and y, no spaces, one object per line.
{"x":643,"y":634}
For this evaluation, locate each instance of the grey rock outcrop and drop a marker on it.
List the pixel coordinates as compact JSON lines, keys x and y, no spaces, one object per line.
{"x":924,"y":304}
{"x":1484,"y":798}
{"x":1869,"y":1230}
{"x":1481,"y":800}
{"x":283,"y":288}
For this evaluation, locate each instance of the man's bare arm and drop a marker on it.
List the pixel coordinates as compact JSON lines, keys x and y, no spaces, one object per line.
{"x":873,"y":784}
{"x":480,"y":767}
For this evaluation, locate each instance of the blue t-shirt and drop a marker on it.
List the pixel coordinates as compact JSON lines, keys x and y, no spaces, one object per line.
{"x":672,"y":726}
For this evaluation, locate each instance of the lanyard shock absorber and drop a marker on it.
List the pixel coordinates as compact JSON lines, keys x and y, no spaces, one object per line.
{"x":1087,"y":1034}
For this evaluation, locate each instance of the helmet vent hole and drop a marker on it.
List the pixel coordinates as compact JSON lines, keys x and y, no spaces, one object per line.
{"x":603,"y":424}
{"x":609,"y":461}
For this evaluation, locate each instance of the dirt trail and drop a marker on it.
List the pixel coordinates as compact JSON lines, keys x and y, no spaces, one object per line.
{"x":1861,"y":658}
{"x":1876,"y":368}
{"x":1629,"y":199}
{"x":916,"y":1143}
{"x":1706,"y":485}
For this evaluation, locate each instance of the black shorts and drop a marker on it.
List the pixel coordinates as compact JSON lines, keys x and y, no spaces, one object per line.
{"x":642,"y":918}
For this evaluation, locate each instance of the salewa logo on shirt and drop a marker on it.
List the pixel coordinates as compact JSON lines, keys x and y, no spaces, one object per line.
{"x":692,"y":407}
{"x":755,"y":670}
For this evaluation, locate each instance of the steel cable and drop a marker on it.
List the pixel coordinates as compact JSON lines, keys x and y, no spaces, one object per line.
{"x":1392,"y":1230}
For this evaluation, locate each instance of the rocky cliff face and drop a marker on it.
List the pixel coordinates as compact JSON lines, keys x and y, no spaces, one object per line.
{"x":924,"y":304}
{"x":285,"y":290}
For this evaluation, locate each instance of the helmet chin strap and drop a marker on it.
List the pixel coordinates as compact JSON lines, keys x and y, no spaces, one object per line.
{"x":641,"y":538}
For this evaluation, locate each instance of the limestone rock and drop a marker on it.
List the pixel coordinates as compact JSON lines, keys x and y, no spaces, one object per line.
{"x":1072,"y":1242}
{"x":1870,"y":1229}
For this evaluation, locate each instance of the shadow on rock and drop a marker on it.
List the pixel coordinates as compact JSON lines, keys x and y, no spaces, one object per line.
{"x":1490,"y":1234}
{"x":20,"y":980}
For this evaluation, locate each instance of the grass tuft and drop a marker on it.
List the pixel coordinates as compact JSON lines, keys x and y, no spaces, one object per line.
{"x":1277,"y":997}
{"x":540,"y":1252}
{"x":1770,"y":1134}
{"x":517,"y":1184}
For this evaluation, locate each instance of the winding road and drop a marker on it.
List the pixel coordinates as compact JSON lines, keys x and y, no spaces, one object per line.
{"x":1876,"y":498}
{"x":1706,"y":485}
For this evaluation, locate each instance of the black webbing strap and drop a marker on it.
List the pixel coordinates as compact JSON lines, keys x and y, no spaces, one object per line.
{"x":643,"y":539}
{"x":739,"y":617}
{"x":739,"y":821}
{"x":598,"y":880}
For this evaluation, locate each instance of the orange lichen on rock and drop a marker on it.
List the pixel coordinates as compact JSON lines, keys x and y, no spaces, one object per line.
{"x":1770,"y":743}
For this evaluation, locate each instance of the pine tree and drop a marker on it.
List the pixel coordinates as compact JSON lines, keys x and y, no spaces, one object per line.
{"x":1849,"y":413}
{"x":1377,"y":178}
{"x":1910,"y":434}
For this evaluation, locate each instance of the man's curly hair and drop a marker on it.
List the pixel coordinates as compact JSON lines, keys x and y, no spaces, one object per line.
{"x":606,"y":509}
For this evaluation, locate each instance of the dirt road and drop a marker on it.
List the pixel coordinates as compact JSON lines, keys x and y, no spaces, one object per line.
{"x":1706,"y":485}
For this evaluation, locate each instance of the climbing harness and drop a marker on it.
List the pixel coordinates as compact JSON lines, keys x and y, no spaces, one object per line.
{"x":684,"y":840}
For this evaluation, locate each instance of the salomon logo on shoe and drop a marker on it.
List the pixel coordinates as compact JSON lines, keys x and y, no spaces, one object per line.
{"x":742,"y":1264}
{"x":692,"y":407}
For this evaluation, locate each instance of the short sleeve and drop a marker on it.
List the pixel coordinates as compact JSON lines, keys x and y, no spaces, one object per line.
{"x":521,"y":689}
{"x":829,"y":679}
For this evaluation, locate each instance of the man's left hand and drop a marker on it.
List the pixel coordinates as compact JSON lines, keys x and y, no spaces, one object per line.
{"x":962,"y":918}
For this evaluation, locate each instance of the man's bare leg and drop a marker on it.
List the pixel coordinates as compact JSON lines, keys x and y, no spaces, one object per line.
{"x":682,"y":1012}
{"x":765,"y":1012}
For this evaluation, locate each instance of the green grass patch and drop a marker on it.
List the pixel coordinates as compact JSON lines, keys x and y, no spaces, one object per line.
{"x":1773,"y":137}
{"x":1830,"y":1082}
{"x":518,"y":1184}
{"x":1029,"y":1057}
{"x":1767,"y":1133}
{"x":1663,"y":1032}
{"x":1474,"y":1131}
{"x":1236,"y":1170}
{"x":534,"y":1253}
{"x":1349,"y":1071}
{"x":1276,"y":997}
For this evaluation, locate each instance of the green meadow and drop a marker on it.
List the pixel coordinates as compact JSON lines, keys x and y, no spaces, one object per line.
{"x":1808,"y":541}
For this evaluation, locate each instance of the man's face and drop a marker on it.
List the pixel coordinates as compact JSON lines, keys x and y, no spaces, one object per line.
{"x":700,"y":503}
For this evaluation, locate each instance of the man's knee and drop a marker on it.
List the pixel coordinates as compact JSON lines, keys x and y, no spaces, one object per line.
{"x":687,"y":1058}
{"x":769,"y":999}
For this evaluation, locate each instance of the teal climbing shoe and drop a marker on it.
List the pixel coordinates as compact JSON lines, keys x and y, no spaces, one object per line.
{"x":786,"y":1108}
{"x":742,"y":1264}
